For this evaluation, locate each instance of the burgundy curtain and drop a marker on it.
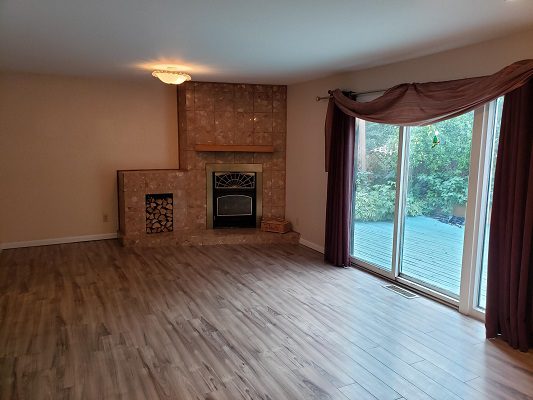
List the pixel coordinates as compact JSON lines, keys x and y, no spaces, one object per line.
{"x":509,"y":309}
{"x":340,"y":184}
{"x":427,"y":103}
{"x":510,"y":270}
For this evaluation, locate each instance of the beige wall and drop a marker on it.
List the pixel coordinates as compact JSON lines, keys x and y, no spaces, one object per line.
{"x":306,"y":179}
{"x":62,"y":140}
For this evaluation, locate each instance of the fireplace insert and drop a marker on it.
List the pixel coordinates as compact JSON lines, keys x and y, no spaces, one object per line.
{"x":234,"y":199}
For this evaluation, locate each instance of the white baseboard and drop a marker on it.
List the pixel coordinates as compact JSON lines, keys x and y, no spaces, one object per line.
{"x":47,"y":242}
{"x":312,"y":245}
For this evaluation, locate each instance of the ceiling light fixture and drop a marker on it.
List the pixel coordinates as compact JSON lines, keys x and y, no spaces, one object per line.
{"x":171,"y":77}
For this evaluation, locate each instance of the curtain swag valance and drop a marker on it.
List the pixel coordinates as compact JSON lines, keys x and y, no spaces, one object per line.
{"x":418,"y":104}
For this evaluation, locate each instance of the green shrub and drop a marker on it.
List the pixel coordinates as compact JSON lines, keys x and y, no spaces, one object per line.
{"x":376,"y":204}
{"x":438,"y":174}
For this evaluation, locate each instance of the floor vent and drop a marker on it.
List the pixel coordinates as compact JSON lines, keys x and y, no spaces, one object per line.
{"x":401,"y":291}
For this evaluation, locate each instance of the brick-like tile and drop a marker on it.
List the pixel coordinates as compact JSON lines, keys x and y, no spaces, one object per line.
{"x":263,"y":89}
{"x":263,"y":138}
{"x":204,"y":97}
{"x":279,"y":141}
{"x":224,"y":101}
{"x":244,"y":101}
{"x":133,"y":181}
{"x":278,"y":212}
{"x":189,"y":118}
{"x":278,"y":161}
{"x":265,"y":159}
{"x":189,"y":99}
{"x":279,"y":122}
{"x":262,"y":122}
{"x":278,"y":179}
{"x":278,"y":197}
{"x":225,"y":137}
{"x":244,"y":158}
{"x":244,"y":138}
{"x":225,"y":121}
{"x":204,"y":121}
{"x":263,"y":102}
{"x":225,"y":158}
{"x":267,"y":180}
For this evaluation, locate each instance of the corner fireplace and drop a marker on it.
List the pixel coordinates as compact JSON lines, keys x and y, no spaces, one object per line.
{"x":234,"y":195}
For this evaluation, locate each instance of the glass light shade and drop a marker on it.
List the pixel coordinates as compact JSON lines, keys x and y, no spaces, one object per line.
{"x":171,"y":77}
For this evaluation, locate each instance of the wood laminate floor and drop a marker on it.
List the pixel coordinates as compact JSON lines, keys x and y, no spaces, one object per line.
{"x":98,"y":321}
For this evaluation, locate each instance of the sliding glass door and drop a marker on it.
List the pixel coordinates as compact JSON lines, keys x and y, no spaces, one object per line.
{"x":435,"y":208}
{"x":375,"y":194}
{"x":492,"y":151}
{"x":422,"y":204}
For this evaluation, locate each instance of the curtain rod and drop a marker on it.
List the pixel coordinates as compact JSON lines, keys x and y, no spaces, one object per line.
{"x":318,"y":98}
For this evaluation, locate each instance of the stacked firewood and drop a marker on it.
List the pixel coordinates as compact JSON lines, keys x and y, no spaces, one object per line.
{"x":158,"y":213}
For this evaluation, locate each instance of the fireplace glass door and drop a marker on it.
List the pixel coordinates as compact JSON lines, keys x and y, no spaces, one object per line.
{"x":234,"y":199}
{"x":234,"y":205}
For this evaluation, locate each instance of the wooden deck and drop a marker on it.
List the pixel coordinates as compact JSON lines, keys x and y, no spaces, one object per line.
{"x":432,"y":251}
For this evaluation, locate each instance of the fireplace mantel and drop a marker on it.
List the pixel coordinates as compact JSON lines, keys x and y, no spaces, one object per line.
{"x":234,"y":148}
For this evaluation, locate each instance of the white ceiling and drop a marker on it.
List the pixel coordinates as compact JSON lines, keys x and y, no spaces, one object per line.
{"x":268,"y":41}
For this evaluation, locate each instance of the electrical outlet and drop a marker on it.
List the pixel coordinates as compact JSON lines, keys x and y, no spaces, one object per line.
{"x":105,"y":218}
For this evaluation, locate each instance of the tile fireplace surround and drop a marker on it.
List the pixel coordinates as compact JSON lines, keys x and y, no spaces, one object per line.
{"x":210,"y":114}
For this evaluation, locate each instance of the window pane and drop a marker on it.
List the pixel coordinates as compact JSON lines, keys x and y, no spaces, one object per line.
{"x":482,"y":292}
{"x":375,"y":192}
{"x":439,"y":165}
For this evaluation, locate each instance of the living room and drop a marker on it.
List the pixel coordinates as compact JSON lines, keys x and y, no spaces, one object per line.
{"x":132,"y":259}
